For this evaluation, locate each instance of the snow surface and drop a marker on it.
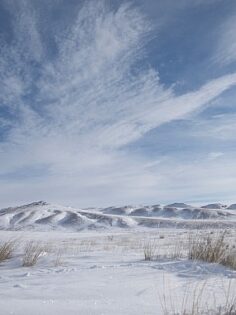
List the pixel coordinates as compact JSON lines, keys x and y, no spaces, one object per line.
{"x":93,"y":262}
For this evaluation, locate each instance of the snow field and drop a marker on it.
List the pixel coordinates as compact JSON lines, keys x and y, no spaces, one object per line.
{"x":104,"y":272}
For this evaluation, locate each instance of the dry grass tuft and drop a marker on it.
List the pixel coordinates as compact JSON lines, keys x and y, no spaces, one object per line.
{"x":196,"y":304}
{"x":6,"y":250}
{"x":58,"y":261}
{"x":32,"y":251}
{"x":150,"y":250}
{"x":213,"y":250}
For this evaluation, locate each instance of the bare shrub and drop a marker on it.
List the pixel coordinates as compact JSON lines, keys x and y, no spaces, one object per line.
{"x":6,"y":250}
{"x":213,"y":250}
{"x":32,"y":251}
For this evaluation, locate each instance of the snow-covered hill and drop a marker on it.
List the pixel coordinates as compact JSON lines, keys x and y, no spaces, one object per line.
{"x":44,"y":216}
{"x":185,"y":212}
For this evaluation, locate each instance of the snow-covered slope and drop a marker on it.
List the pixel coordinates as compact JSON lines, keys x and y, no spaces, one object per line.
{"x":215,"y":206}
{"x":44,"y":216}
{"x":184,"y":212}
{"x":232,"y":207}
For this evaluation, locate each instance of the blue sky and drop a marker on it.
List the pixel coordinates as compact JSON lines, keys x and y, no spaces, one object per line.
{"x":117,"y":102}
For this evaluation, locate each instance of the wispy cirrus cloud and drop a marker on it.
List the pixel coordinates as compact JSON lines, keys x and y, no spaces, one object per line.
{"x":72,"y":112}
{"x":226,"y":49}
{"x":220,"y":127}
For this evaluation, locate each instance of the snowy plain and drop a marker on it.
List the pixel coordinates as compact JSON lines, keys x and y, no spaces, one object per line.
{"x":93,"y":261}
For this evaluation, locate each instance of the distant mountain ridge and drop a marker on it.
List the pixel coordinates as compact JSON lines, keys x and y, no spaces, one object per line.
{"x":41,"y":215}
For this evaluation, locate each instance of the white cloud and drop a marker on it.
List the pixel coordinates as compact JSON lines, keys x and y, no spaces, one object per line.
{"x":226,"y":49}
{"x":221,"y":127}
{"x":215,"y":155}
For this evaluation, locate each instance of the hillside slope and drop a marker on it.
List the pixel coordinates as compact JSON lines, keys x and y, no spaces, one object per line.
{"x":44,"y":216}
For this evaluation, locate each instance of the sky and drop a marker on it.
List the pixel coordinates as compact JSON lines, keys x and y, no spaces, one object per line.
{"x":110,"y":102}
